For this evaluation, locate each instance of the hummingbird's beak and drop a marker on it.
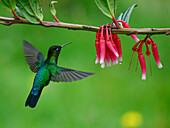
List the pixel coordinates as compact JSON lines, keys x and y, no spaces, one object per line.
{"x":66,"y":44}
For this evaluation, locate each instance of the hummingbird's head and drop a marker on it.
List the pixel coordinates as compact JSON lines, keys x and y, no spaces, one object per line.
{"x":55,"y":49}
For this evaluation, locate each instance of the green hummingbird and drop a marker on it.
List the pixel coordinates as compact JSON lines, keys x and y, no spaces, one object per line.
{"x":47,"y":70}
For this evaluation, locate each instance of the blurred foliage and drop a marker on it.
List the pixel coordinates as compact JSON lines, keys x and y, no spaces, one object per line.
{"x":100,"y":100}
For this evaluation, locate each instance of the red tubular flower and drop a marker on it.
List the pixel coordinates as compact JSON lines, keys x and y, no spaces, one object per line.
{"x":112,"y":58}
{"x":109,"y":44}
{"x":155,"y":54}
{"x":126,"y":25}
{"x":97,"y":45}
{"x":142,"y":64}
{"x":148,"y":53}
{"x":118,"y":45}
{"x":102,"y":46}
{"x":116,"y":59}
{"x":138,"y":47}
{"x":108,"y":57}
{"x":102,"y":51}
{"x":108,"y":48}
{"x":141,"y":58}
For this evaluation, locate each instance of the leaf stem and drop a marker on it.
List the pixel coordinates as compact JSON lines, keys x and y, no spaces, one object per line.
{"x":15,"y":15}
{"x":56,"y":18}
{"x":110,"y":9}
{"x":116,"y":23}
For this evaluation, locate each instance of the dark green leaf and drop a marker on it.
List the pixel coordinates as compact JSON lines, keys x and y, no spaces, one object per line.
{"x":108,"y":7}
{"x":9,"y":4}
{"x":31,"y":10}
{"x":52,"y":8}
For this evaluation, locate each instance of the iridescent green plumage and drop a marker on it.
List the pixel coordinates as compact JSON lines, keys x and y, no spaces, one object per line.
{"x":46,"y":70}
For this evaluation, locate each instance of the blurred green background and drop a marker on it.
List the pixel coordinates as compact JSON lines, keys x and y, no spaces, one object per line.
{"x":112,"y":98}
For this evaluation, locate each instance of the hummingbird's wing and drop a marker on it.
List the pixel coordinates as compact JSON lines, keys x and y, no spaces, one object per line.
{"x":33,"y":57}
{"x":68,"y":75}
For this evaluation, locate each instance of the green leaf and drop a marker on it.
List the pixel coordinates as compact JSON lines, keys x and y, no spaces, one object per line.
{"x":115,"y":6}
{"x":52,"y":8}
{"x":119,"y":17}
{"x":36,"y":8}
{"x":125,"y":16}
{"x":108,"y":7}
{"x":31,"y":10}
{"x":9,"y":4}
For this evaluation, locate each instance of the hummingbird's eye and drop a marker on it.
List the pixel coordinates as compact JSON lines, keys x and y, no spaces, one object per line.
{"x":56,"y":48}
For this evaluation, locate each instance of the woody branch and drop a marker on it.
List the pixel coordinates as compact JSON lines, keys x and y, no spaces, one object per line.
{"x":128,"y":31}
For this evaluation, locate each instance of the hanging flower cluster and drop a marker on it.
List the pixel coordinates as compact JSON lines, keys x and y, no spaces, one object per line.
{"x":108,"y":46}
{"x":138,"y":48}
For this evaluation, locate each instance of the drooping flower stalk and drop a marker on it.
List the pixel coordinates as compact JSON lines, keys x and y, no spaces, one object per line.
{"x":126,"y":25}
{"x":148,"y":53}
{"x":136,"y":65}
{"x":134,"y":48}
{"x":131,"y":60}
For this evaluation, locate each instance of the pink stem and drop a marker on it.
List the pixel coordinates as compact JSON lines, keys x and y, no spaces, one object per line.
{"x":139,"y":50}
{"x":56,"y":18}
{"x":15,"y":15}
{"x":116,"y":22}
{"x":131,"y":60}
{"x":126,"y":25}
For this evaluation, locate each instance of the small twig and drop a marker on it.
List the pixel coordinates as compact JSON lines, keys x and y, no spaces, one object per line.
{"x":127,"y":31}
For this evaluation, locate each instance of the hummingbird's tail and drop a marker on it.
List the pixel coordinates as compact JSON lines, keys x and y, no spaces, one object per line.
{"x":33,"y":99}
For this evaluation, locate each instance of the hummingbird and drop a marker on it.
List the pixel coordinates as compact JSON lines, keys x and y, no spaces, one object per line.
{"x":47,"y":70}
